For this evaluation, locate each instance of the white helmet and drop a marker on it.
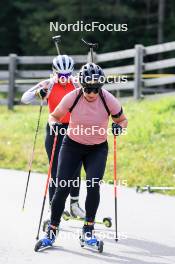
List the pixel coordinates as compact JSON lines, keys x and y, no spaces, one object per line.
{"x":63,"y":64}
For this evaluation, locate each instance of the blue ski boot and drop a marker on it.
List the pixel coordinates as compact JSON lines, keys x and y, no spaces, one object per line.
{"x":48,"y":239}
{"x":89,"y":239}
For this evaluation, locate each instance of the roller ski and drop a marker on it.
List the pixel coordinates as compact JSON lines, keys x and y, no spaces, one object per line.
{"x":48,"y":239}
{"x":77,"y":213}
{"x":152,"y":189}
{"x":107,"y":221}
{"x":88,"y":238}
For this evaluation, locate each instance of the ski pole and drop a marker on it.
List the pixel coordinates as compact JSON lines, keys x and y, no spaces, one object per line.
{"x":47,"y":184}
{"x":115,"y":187}
{"x":32,"y":154}
{"x":57,"y":40}
{"x":91,"y":46}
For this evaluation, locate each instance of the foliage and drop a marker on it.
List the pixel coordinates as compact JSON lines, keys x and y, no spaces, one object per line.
{"x":25,"y":24}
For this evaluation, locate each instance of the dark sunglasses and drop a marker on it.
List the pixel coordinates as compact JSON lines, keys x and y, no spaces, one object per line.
{"x":66,"y":75}
{"x":89,"y":90}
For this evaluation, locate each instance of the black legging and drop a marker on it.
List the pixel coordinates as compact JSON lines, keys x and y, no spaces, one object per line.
{"x":74,"y":191}
{"x":94,"y":160}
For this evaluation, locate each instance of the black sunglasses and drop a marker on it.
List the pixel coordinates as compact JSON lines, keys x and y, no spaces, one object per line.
{"x":89,"y":90}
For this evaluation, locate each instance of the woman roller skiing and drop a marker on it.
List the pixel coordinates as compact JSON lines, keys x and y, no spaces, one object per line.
{"x":90,"y":107}
{"x":53,"y":90}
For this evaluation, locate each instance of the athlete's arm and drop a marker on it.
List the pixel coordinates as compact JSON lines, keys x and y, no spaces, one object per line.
{"x":116,"y":110}
{"x":56,"y":115}
{"x":30,"y":95}
{"x":62,"y":108}
{"x":122,"y":121}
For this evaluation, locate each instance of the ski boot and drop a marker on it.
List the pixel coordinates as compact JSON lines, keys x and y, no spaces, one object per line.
{"x":48,"y":239}
{"x":75,"y":210}
{"x":89,"y":239}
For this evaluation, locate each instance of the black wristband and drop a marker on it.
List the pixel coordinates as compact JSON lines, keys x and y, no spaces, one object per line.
{"x":118,"y":114}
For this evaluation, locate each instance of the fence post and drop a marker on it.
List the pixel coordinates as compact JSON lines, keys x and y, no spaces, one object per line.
{"x":138,"y":71}
{"x":12,"y":71}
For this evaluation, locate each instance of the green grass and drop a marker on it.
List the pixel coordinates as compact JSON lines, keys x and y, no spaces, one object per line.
{"x":146,"y":155}
{"x":3,"y":95}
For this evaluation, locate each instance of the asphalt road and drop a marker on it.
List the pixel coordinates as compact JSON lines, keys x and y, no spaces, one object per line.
{"x":146,"y":226}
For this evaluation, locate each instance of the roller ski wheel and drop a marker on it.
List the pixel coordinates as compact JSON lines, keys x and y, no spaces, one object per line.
{"x":89,"y":240}
{"x":43,"y":243}
{"x":92,"y":243}
{"x":45,"y":225}
{"x":100,"y":246}
{"x":38,"y":246}
{"x":66,"y":216}
{"x":82,"y":242}
{"x":48,"y":239}
{"x":107,"y":221}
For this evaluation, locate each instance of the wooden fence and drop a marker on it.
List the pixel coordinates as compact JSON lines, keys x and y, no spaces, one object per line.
{"x":14,"y":79}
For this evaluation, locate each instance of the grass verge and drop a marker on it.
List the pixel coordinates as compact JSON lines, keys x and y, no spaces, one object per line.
{"x":145,"y":156}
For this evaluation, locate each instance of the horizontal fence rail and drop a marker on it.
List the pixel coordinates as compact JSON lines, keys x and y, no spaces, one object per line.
{"x":162,"y":64}
{"x":159,"y":81}
{"x":117,"y":55}
{"x":165,"y":47}
{"x":15,"y":78}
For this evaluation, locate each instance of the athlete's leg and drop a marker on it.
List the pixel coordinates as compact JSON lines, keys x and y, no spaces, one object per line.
{"x":75,"y":208}
{"x":75,"y":188}
{"x":94,"y":163}
{"x":69,"y":160}
{"x":49,"y":145}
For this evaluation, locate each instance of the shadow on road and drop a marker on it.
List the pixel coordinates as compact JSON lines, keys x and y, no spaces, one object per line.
{"x":145,"y":248}
{"x":138,"y":247}
{"x":154,"y":248}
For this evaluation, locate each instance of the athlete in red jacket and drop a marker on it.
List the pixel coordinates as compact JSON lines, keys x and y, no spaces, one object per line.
{"x":53,"y":90}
